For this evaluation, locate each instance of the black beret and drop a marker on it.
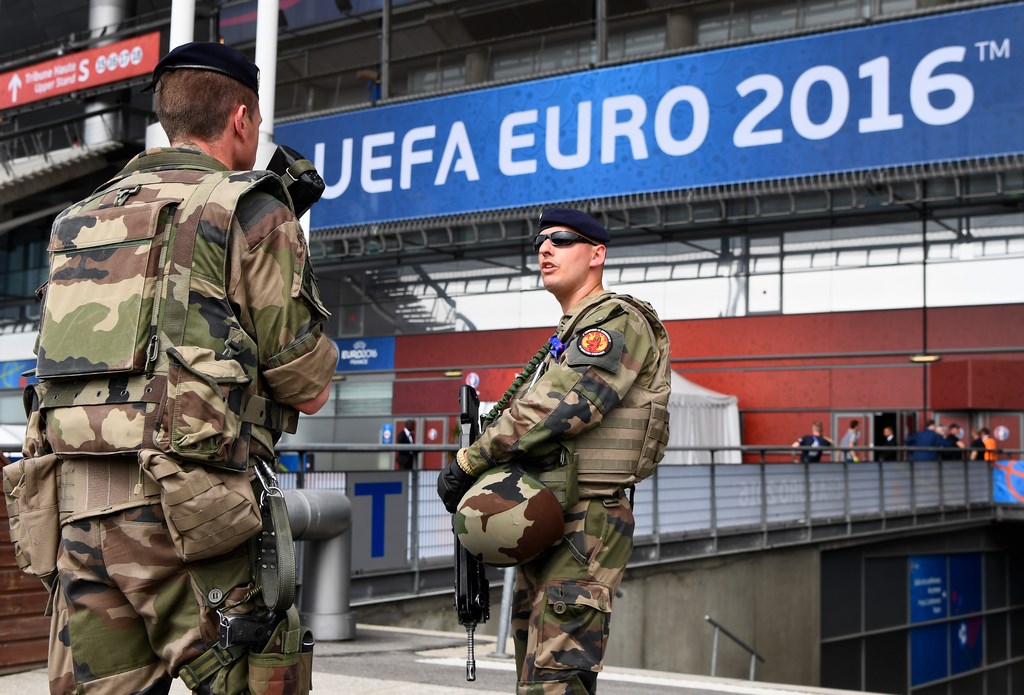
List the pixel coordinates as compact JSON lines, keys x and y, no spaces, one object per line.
{"x":576,"y":220}
{"x":202,"y":55}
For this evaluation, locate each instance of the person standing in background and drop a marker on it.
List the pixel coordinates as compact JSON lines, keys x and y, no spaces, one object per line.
{"x":956,"y":444}
{"x":406,"y":459}
{"x":990,"y":444}
{"x":886,"y":450}
{"x":927,"y":438}
{"x":815,"y":439}
{"x":850,"y":441}
{"x":977,"y":445}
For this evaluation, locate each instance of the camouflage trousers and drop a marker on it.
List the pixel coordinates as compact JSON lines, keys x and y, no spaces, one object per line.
{"x":128,"y":613}
{"x":562,"y":604}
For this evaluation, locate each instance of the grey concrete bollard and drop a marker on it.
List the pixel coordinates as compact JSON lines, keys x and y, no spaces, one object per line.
{"x":322,"y":519}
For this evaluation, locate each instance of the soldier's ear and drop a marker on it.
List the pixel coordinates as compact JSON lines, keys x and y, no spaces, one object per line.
{"x":242,"y":121}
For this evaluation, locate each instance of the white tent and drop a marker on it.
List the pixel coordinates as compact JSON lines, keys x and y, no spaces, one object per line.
{"x":701,"y":417}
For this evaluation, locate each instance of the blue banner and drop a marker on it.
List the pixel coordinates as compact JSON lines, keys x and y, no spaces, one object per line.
{"x":928,"y":601}
{"x":1008,"y":482}
{"x":942,"y":586}
{"x":946,"y":87}
{"x":11,"y":374}
{"x":928,"y":585}
{"x":365,"y":354}
{"x":928,"y":658}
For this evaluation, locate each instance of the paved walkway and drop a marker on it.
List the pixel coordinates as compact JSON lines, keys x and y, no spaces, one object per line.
{"x":384,"y":660}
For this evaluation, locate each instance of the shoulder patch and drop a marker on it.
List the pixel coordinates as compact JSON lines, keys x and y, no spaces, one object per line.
{"x":595,"y":342}
{"x":597,"y":347}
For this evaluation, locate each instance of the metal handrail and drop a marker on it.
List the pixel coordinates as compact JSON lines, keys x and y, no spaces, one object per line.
{"x":713,"y":450}
{"x":43,"y":138}
{"x":739,"y":508}
{"x":714,"y":647}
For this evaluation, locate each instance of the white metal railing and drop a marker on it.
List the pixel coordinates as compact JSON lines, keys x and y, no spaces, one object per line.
{"x":683,"y":503}
{"x":754,"y":656}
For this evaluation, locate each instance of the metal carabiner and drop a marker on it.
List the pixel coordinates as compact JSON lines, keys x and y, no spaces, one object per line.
{"x":268,"y":481}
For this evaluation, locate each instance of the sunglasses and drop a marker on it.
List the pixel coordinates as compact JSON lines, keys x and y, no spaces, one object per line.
{"x":560,"y":238}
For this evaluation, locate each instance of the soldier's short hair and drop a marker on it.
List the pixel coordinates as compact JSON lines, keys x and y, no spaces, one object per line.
{"x":198,"y":103}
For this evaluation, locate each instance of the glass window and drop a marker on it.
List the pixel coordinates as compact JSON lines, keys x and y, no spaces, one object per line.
{"x":510,"y":66}
{"x":353,"y":397}
{"x":563,"y":55}
{"x":841,"y":665}
{"x":817,"y":12}
{"x":885,"y":667}
{"x":436,"y":78}
{"x":893,"y":6}
{"x":995,"y":637}
{"x":774,"y":19}
{"x":636,"y":42}
{"x":995,"y":580}
{"x":12,"y":410}
{"x":885,"y":581}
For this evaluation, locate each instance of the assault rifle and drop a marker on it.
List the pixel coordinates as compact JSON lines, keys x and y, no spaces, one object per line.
{"x":300,"y":177}
{"x":472,"y":594}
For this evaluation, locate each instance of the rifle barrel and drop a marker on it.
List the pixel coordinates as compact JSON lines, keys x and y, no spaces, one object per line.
{"x":470,"y":653}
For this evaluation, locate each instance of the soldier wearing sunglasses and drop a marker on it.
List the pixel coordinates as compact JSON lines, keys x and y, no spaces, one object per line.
{"x":588,"y":416}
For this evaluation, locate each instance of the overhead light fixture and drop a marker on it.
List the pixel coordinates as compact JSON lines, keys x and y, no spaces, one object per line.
{"x":924,"y":359}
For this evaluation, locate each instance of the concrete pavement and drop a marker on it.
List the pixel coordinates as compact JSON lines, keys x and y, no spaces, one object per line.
{"x":383,"y":660}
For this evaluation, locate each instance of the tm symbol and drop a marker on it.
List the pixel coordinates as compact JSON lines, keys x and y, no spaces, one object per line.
{"x":993,"y":50}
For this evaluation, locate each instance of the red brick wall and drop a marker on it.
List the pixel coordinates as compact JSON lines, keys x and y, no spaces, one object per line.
{"x":800,"y":367}
{"x":23,"y":627}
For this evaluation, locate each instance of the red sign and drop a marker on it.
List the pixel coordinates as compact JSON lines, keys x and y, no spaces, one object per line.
{"x":81,"y":70}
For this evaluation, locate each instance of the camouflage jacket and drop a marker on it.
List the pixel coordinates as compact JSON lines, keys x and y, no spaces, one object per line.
{"x":181,"y":313}
{"x":615,"y":361}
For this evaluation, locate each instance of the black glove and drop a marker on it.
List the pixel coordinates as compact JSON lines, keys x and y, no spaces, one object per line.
{"x":452,"y":484}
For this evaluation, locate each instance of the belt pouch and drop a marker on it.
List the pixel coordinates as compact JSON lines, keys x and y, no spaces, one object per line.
{"x":30,"y":489}
{"x":563,"y":479}
{"x":208,"y":511}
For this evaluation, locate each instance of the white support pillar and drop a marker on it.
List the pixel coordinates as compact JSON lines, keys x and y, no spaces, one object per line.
{"x":183,"y":23}
{"x":183,"y":27}
{"x":266,"y":61}
{"x":104,"y":18}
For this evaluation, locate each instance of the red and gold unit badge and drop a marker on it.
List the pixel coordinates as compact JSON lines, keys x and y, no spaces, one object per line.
{"x":595,"y":342}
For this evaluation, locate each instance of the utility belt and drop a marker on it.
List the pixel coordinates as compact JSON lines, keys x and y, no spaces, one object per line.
{"x":94,"y":486}
{"x":599,"y":466}
{"x":203,"y":410}
{"x":209,"y":505}
{"x":208,"y":511}
{"x":562,"y":479}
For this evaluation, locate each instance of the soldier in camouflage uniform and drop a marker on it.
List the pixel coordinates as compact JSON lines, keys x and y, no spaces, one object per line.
{"x":589,"y":415}
{"x":234,"y":348}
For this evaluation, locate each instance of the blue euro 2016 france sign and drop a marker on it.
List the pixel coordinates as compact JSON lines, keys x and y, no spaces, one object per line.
{"x":941,"y":88}
{"x":366,"y":354}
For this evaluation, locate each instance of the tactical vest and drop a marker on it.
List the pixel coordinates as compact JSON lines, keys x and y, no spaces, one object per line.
{"x":139,"y":346}
{"x":631,"y":440}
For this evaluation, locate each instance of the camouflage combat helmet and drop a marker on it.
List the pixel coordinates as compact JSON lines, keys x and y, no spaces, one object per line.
{"x":508,"y":517}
